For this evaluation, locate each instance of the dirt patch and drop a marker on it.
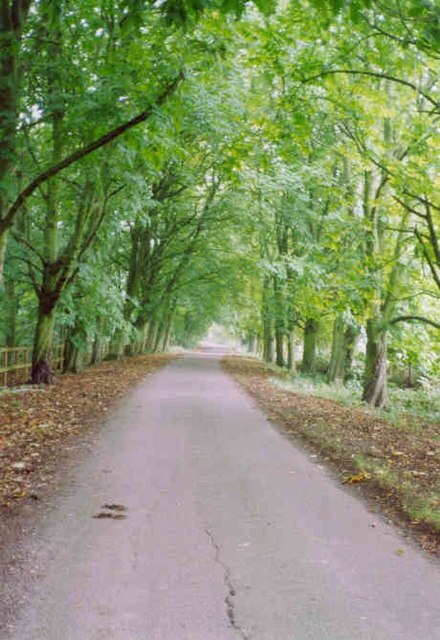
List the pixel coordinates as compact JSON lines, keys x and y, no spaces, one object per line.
{"x":396,"y":468}
{"x":37,"y":425}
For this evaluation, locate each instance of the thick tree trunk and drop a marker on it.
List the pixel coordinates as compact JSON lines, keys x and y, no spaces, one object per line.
{"x":167,"y":334}
{"x":168,"y":325}
{"x":50,"y":288}
{"x":311,"y":331}
{"x":151,"y":337}
{"x":343,"y":343}
{"x":97,"y":350}
{"x":145,"y":337}
{"x":159,"y":337}
{"x":267,"y":340}
{"x":375,"y":376}
{"x":279,"y":346}
{"x":41,"y":372}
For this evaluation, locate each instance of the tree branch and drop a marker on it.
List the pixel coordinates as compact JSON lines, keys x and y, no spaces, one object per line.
{"x":374,"y":74}
{"x":111,"y":135}
{"x":415,"y":319}
{"x":429,"y":260}
{"x":408,"y":208}
{"x":29,"y":245}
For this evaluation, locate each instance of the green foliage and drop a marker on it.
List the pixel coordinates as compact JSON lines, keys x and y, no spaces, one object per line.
{"x":184,"y":12}
{"x":291,"y":178}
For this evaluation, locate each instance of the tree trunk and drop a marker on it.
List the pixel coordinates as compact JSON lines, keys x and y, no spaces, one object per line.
{"x":151,"y":338}
{"x":10,"y":35}
{"x":3,"y":241}
{"x":267,"y":323}
{"x":290,"y":325}
{"x":73,"y":358}
{"x":279,"y":346}
{"x":41,"y":372}
{"x":290,"y":350}
{"x":350,"y":337}
{"x":50,"y":290}
{"x":11,"y":318}
{"x":159,"y":337}
{"x":375,"y":376}
{"x":168,"y":325}
{"x":166,"y":337}
{"x":251,"y":342}
{"x":310,"y":341}
{"x":267,"y":340}
{"x":96,"y":350}
{"x":336,"y":370}
{"x":137,"y":340}
{"x":118,"y":345}
{"x":279,"y":323}
{"x":97,"y":347}
{"x":343,"y":343}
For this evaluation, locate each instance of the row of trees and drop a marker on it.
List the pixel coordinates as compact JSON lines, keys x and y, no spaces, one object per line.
{"x":349,"y":214}
{"x":163,"y":167}
{"x":102,"y":218}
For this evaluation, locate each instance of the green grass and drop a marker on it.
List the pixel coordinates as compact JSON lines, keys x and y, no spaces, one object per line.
{"x":417,"y":403}
{"x":417,"y":507}
{"x":317,"y":387}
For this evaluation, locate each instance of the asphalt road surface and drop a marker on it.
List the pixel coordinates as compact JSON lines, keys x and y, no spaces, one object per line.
{"x":228,"y":532}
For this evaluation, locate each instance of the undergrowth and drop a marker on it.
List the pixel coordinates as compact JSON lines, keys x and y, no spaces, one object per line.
{"x":407,"y":408}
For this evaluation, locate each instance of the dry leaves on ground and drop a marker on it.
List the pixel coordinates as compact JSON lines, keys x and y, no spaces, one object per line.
{"x":36,"y":424}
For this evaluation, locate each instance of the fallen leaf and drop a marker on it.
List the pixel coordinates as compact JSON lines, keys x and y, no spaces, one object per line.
{"x":363,"y":476}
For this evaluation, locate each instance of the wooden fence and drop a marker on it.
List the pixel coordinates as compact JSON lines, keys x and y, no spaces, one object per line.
{"x":16,"y":362}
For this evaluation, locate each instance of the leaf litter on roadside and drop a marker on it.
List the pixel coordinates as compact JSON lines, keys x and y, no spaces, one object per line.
{"x":39,"y":424}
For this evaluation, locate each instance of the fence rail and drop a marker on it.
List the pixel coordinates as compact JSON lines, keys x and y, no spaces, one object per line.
{"x":16,"y":363}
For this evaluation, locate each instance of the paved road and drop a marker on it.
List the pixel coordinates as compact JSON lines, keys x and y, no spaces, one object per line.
{"x":230,"y":532}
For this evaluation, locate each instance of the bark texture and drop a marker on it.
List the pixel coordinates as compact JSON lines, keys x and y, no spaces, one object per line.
{"x":375,"y":379}
{"x":311,"y":331}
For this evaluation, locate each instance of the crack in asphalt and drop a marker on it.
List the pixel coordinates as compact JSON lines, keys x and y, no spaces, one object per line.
{"x":231,"y":592}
